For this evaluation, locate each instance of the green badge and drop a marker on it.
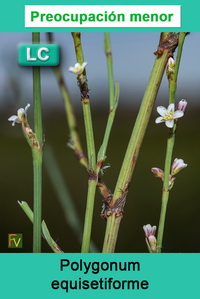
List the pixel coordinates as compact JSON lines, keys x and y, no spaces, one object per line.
{"x":38,"y":55}
{"x":15,"y":241}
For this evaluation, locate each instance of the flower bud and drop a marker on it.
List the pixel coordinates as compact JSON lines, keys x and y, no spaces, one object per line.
{"x":150,"y":237}
{"x":170,"y":66}
{"x":177,"y":165}
{"x":157,"y":172}
{"x":182,"y":105}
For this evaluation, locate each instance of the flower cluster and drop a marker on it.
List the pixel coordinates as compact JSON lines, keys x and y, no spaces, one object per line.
{"x":150,"y":237}
{"x":168,"y":116}
{"x":177,"y":165}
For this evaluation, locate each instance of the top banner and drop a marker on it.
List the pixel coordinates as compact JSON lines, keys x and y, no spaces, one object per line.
{"x":99,"y":16}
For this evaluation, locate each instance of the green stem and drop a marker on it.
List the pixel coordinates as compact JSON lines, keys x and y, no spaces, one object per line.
{"x":88,"y":216}
{"x":92,"y":181}
{"x":173,"y":82}
{"x":74,"y":143}
{"x":37,"y":155}
{"x":113,"y":99}
{"x":37,"y":95}
{"x":37,"y":203}
{"x":111,"y":233}
{"x":108,"y":53}
{"x":133,"y":149}
{"x":165,"y":192}
{"x":140,"y":125}
{"x":89,"y":137}
{"x":46,"y":234}
{"x":170,"y":146}
{"x":102,"y":151}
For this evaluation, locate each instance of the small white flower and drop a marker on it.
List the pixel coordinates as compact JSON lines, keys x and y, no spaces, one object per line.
{"x":182,"y":105}
{"x":21,"y":115}
{"x":177,"y":165}
{"x":78,"y":68}
{"x":149,"y":230}
{"x":168,"y":115}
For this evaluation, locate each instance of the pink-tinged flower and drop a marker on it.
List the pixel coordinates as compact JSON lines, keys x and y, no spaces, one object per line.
{"x":149,"y":230}
{"x":78,"y":68}
{"x":21,"y":115}
{"x":168,"y":115}
{"x":150,"y":237}
{"x":157,"y":172}
{"x":177,"y":165}
{"x":182,"y":105}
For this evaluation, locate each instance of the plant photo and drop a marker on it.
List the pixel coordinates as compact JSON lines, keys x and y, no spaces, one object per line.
{"x":100,"y":153}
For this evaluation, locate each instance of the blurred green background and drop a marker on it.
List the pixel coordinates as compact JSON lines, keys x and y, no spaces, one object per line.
{"x":144,"y":197}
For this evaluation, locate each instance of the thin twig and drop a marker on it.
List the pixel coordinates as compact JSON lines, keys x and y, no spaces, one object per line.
{"x":170,"y":145}
{"x":113,"y":100}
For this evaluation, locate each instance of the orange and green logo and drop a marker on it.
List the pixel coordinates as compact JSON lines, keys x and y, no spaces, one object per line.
{"x":15,"y":241}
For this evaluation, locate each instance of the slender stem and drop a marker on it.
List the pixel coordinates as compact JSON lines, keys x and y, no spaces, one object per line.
{"x":173,"y":81}
{"x":170,"y":145}
{"x":92,"y":181}
{"x":165,"y":192}
{"x":37,"y":95}
{"x":133,"y":148}
{"x":108,"y":53}
{"x":46,"y":234}
{"x":37,"y":155}
{"x":113,"y":99}
{"x":75,"y":142}
{"x":102,"y":151}
{"x":37,"y":204}
{"x":88,"y":216}
{"x":89,"y":137}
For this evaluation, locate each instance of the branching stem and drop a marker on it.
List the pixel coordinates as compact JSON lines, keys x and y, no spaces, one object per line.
{"x":170,"y":145}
